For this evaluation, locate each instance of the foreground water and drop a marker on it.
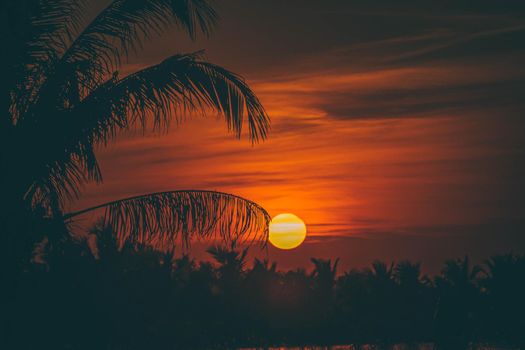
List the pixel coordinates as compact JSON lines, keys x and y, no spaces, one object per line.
{"x":422,"y":346}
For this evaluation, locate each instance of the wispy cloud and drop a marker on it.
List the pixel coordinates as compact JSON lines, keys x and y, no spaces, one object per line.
{"x":410,"y":130}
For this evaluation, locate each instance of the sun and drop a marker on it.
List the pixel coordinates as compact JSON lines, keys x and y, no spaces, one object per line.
{"x":287,"y":231}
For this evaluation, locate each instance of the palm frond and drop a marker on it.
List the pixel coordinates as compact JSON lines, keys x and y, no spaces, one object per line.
{"x":161,"y":93}
{"x":185,"y":83}
{"x":67,"y":105}
{"x":87,"y":59}
{"x":165,"y":219}
{"x":55,"y":23}
{"x":37,"y":32}
{"x":123,"y":24}
{"x":61,"y":180}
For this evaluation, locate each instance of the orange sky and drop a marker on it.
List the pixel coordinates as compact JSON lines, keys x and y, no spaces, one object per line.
{"x":407,"y":146}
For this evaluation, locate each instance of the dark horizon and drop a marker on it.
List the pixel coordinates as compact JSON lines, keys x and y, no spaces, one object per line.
{"x":151,"y":299}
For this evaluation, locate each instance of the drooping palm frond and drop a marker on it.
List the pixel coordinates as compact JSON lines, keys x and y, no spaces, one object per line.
{"x":80,"y":63}
{"x":127,"y":22}
{"x":165,"y":219}
{"x":160,"y":93}
{"x":121,"y":27}
{"x":63,"y":98}
{"x":177,"y":86}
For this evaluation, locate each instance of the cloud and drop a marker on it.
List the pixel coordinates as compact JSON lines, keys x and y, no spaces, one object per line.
{"x":394,"y":124}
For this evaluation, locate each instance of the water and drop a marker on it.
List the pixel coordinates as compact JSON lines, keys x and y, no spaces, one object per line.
{"x":421,"y":346}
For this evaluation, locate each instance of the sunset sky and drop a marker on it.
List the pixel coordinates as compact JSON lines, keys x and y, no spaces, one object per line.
{"x":397,"y":130}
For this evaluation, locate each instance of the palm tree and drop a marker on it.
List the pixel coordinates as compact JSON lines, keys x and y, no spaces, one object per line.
{"x":263,"y":266}
{"x":413,"y":302}
{"x":504,"y":306}
{"x":63,"y":96}
{"x":324,"y":273}
{"x":262,"y":279}
{"x":459,"y":273}
{"x":231,"y":261}
{"x":408,"y":274}
{"x":324,"y":276}
{"x":381,"y":272}
{"x":458,"y":298}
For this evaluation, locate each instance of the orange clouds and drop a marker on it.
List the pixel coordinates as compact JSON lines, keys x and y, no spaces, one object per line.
{"x":401,"y":138}
{"x":341,"y":175}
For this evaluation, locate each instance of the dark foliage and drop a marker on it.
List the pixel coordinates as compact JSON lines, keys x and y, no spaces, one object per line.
{"x":62,"y":97}
{"x":94,"y":294}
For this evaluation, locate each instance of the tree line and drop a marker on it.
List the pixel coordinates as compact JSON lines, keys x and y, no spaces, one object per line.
{"x":95,"y":292}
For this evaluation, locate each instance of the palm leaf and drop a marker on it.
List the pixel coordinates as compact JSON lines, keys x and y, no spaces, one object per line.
{"x":123,"y":24}
{"x":179,"y":85}
{"x":55,"y":23}
{"x":37,"y":33}
{"x":87,"y":59}
{"x":166,"y":218}
{"x":69,"y":105}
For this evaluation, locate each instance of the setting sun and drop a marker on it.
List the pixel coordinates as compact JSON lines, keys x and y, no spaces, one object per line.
{"x":287,"y":231}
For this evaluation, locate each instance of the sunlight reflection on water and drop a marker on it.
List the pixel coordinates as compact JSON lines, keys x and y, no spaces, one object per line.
{"x":422,"y":346}
{"x":348,"y":347}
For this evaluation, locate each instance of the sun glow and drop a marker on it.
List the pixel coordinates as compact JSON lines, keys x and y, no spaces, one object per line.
{"x":287,"y":231}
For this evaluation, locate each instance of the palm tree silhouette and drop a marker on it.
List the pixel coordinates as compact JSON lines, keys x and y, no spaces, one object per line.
{"x":413,"y":302}
{"x":264,"y":266}
{"x":381,"y":272}
{"x":504,"y":288}
{"x":408,"y":274}
{"x":323,"y":293}
{"x":231,"y":261}
{"x":63,"y":95}
{"x":457,"y":299}
{"x":324,"y":273}
{"x":459,"y":273}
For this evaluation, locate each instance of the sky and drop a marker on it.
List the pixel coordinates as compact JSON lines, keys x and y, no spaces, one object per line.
{"x":397,"y":127}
